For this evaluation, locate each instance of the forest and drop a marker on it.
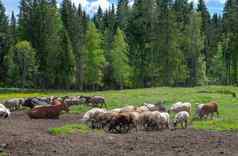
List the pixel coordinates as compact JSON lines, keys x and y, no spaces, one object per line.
{"x":151,"y":43}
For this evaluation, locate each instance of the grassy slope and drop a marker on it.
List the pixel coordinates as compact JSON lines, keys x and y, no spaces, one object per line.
{"x":228,"y":119}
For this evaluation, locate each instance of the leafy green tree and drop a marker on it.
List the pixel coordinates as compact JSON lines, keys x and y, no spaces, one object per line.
{"x":21,"y":65}
{"x":95,"y":59}
{"x":120,"y":63}
{"x":39,"y":23}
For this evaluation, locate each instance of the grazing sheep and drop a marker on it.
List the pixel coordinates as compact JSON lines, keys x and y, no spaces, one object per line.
{"x":180,"y":106}
{"x":14,"y":104}
{"x":135,"y":119}
{"x":98,"y":100}
{"x":182,"y":118}
{"x":150,"y":120}
{"x":120,"y":123}
{"x":199,"y":108}
{"x":74,"y":100}
{"x":95,"y":100}
{"x":209,"y":109}
{"x":101,"y":119}
{"x":89,"y":116}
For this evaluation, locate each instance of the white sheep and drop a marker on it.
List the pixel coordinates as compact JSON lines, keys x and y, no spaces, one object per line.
{"x":164,"y":119}
{"x":199,"y":107}
{"x":4,"y":112}
{"x":182,"y":118}
{"x":180,"y":106}
{"x":88,"y":115}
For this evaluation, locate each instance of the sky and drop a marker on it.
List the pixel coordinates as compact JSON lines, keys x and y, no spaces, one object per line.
{"x":214,"y":6}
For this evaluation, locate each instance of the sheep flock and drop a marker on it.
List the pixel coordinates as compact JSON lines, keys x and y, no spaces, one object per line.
{"x":121,"y":120}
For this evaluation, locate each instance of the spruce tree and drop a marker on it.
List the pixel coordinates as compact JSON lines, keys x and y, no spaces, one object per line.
{"x":4,"y":40}
{"x":120,"y":63}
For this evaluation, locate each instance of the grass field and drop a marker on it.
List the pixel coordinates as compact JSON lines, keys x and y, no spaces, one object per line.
{"x":228,"y":104}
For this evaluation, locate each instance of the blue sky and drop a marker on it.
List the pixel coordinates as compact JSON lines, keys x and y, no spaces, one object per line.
{"x":214,"y":6}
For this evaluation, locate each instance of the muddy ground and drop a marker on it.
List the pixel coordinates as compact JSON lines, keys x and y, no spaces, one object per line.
{"x":26,"y":137}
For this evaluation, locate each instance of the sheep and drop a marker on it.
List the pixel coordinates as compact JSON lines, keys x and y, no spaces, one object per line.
{"x":135,"y":119}
{"x":120,"y":122}
{"x":180,"y":106}
{"x":164,"y":119}
{"x":150,"y":120}
{"x":95,"y":100}
{"x":182,"y":118}
{"x":74,"y":100}
{"x":4,"y":112}
{"x":89,"y":116}
{"x":209,"y":108}
{"x":14,"y":104}
{"x":199,"y":107}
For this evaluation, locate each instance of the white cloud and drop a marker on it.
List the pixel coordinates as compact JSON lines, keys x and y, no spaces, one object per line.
{"x":91,"y":6}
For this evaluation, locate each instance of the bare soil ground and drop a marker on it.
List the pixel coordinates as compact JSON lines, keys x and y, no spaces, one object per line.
{"x":26,"y":137}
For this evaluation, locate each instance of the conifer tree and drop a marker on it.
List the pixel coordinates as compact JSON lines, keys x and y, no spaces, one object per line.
{"x":120,"y":63}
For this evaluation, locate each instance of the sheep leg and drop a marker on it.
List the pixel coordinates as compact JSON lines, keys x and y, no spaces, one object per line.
{"x":181,"y":124}
{"x":186,"y":123}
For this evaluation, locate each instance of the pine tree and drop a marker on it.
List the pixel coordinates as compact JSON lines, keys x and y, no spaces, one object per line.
{"x":194,"y":55}
{"x":39,"y":23}
{"x":95,"y":59}
{"x":73,"y":21}
{"x":13,"y":30}
{"x":66,"y":64}
{"x":202,"y":8}
{"x":231,"y":35}
{"x":3,"y":39}
{"x":172,"y":66}
{"x":123,"y":14}
{"x":140,"y":33}
{"x":120,"y":63}
{"x":21,"y":65}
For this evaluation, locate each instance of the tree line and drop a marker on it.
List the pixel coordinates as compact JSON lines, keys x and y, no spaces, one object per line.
{"x":151,"y":43}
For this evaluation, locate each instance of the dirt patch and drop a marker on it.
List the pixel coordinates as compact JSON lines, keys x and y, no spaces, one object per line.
{"x":26,"y":137}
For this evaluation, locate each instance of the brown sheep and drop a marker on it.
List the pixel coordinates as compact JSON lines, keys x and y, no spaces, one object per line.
{"x":120,"y":123}
{"x":209,"y":108}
